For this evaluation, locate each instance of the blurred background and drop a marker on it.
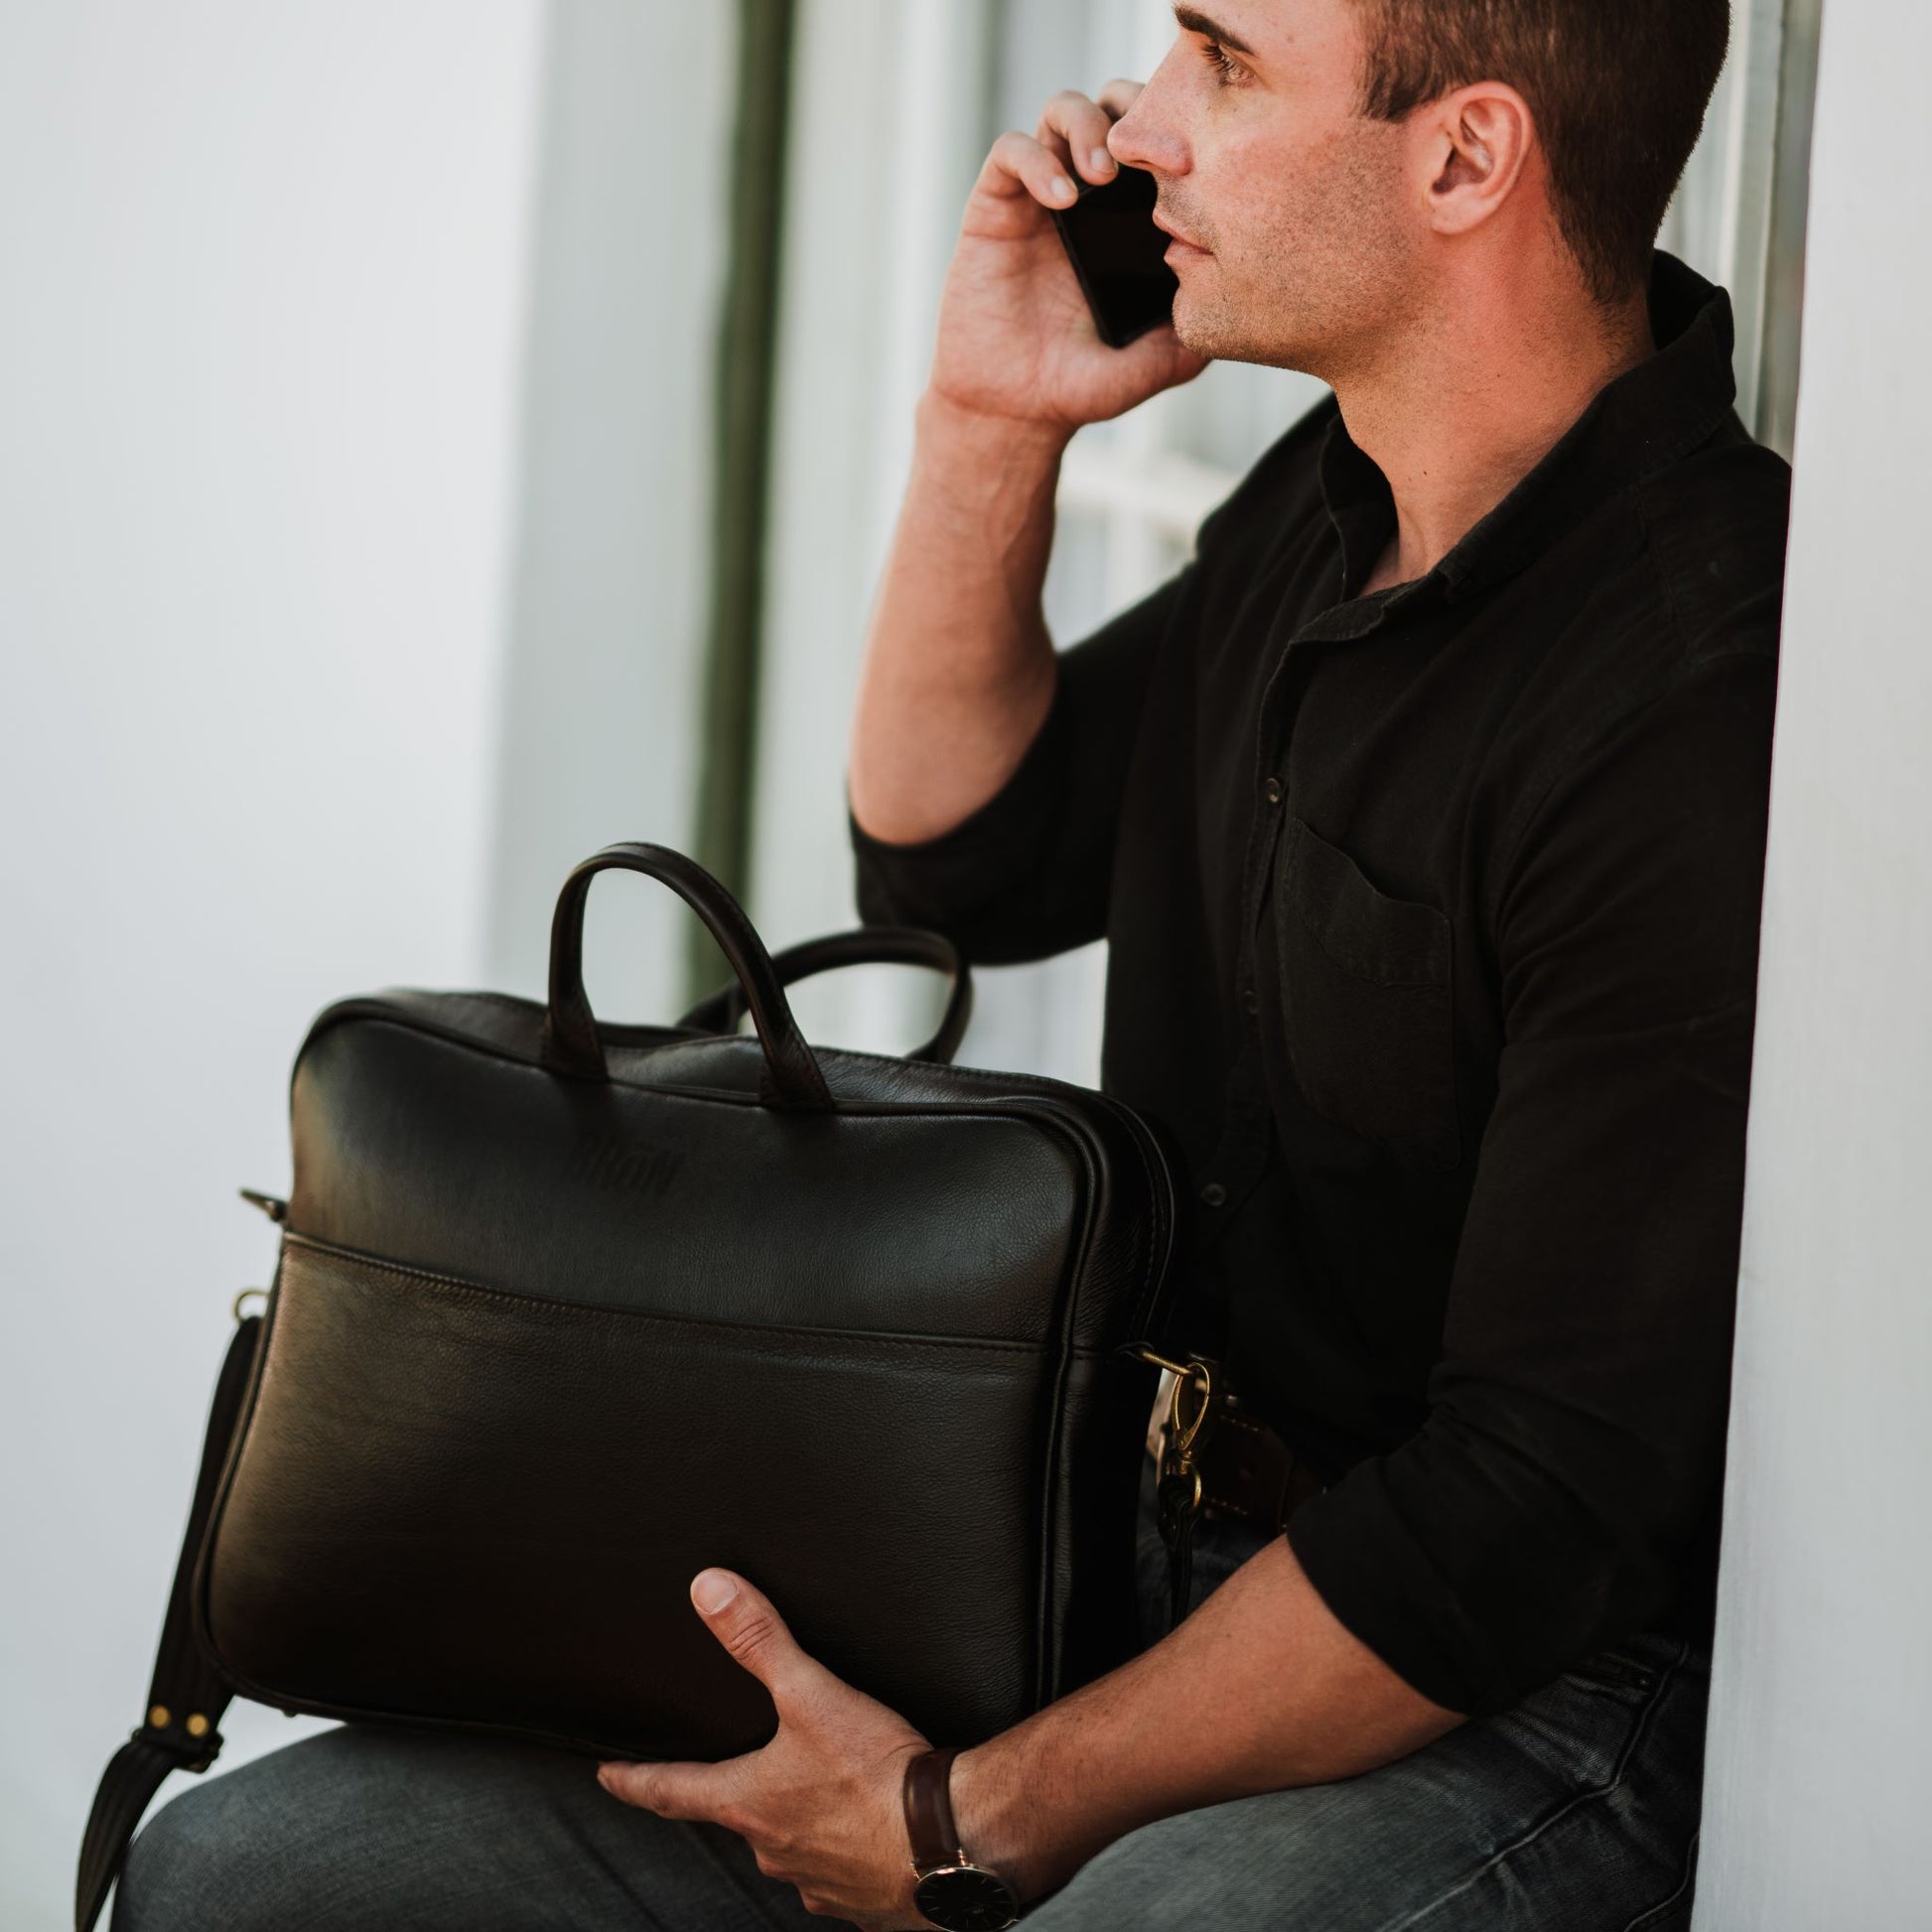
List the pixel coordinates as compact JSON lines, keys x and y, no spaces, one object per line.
{"x":436,"y":440}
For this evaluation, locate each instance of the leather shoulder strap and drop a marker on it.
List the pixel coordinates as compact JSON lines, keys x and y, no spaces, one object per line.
{"x":188,"y":1694}
{"x":929,"y":1810}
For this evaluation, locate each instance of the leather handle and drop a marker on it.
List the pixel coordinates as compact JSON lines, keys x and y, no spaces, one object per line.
{"x":892,"y":945}
{"x":570,"y":1039}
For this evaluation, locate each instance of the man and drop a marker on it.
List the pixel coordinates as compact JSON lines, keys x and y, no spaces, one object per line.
{"x":1424,"y":812}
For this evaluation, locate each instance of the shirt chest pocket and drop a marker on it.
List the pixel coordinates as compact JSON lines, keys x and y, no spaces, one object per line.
{"x":1366,"y":1001}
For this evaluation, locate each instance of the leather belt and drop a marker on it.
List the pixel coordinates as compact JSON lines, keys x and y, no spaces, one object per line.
{"x":1213,"y":1458}
{"x":1248,"y":1472}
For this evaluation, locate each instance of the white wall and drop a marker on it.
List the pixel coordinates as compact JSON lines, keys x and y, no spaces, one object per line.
{"x":608,"y":609}
{"x":259,"y":359}
{"x":1820,"y":1774}
{"x":866,"y":251}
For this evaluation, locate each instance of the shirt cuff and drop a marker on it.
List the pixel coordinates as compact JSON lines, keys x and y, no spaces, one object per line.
{"x":1522,"y":1603}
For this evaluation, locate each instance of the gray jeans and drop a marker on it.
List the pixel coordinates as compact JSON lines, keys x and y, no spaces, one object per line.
{"x":1575,"y":1810}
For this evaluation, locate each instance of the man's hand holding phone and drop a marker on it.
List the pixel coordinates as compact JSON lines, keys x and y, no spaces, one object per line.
{"x":1017,"y":340}
{"x":959,"y":664}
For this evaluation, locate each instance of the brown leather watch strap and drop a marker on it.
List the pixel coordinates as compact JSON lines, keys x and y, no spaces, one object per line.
{"x":929,"y":1810}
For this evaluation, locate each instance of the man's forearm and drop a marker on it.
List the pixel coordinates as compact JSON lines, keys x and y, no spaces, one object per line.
{"x":959,"y":667}
{"x":1259,"y":1690}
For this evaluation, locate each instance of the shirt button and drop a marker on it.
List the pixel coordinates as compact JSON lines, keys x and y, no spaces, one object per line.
{"x":1250,"y":1000}
{"x":1273,"y":791}
{"x":1214,"y":1195}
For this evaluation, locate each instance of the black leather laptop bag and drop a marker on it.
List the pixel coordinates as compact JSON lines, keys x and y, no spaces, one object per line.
{"x":566,"y":1312}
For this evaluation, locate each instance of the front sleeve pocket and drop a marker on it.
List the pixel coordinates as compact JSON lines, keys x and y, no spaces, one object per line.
{"x":1366,"y":997}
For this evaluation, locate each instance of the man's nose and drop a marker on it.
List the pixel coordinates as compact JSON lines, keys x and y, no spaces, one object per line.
{"x":1145,"y":137}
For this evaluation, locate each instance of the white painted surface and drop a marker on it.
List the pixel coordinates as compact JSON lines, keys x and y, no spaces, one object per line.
{"x":259,"y":350}
{"x":1820,"y":1775}
{"x":609,"y":576}
{"x":866,"y":249}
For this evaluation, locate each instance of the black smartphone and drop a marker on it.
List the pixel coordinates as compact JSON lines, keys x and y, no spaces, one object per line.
{"x":1118,"y":254}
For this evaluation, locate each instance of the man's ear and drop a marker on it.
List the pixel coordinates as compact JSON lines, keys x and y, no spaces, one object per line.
{"x":1476,"y":145}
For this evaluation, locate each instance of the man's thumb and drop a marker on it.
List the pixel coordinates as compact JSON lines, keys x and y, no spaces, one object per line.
{"x":743,"y":1620}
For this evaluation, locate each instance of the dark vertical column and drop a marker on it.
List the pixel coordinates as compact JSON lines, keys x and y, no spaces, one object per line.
{"x":747,"y":372}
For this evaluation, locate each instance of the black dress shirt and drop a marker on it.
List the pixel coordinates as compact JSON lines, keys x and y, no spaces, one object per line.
{"x":1433,"y":923}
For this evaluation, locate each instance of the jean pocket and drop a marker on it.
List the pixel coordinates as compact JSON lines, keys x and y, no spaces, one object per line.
{"x":1367,"y":995}
{"x":1609,"y":1671}
{"x":1635,"y":1669}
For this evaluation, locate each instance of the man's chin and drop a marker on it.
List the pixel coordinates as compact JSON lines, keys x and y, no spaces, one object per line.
{"x":1200,"y":326}
{"x":1210,"y":331}
{"x":1187,"y":316}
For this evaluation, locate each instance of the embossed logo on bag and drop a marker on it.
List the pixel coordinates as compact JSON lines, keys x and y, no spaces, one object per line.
{"x":607,"y":1162}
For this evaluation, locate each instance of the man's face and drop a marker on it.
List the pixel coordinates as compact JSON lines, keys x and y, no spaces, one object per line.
{"x":1308,"y":254}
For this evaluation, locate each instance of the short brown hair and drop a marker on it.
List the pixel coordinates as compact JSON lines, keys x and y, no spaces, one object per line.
{"x":1619,"y":88}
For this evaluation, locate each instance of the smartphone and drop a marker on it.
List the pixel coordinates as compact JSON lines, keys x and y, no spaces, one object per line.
{"x":1118,"y":254}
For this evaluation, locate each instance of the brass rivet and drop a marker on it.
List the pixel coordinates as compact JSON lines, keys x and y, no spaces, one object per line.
{"x":161,"y":1716}
{"x":198,"y":1726}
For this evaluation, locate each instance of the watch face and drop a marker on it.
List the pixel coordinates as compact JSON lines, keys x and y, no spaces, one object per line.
{"x":963,"y":1898}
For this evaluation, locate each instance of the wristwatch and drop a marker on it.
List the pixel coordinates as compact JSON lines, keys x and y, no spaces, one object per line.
{"x":953,"y":1893}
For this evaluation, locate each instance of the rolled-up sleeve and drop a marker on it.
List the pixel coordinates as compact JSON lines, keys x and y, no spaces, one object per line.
{"x":1028,"y":873}
{"x":1574,"y":1447}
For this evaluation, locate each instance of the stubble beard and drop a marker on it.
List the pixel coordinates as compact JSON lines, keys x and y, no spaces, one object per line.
{"x":1320,"y":287}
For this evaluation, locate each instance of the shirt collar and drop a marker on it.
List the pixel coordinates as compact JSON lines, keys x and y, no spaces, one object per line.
{"x":1645,"y":420}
